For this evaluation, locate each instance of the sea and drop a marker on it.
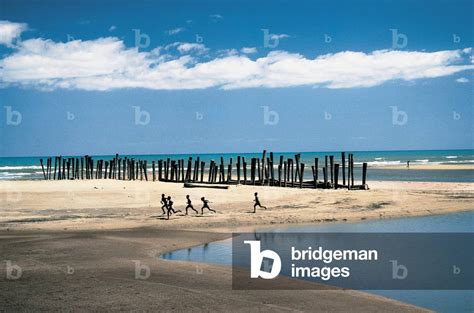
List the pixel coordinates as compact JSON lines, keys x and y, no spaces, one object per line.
{"x":29,"y":168}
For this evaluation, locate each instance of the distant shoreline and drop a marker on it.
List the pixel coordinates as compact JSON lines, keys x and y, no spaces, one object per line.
{"x":414,"y":167}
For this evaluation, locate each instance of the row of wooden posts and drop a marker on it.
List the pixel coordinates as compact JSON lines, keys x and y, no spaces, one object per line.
{"x":260,"y":171}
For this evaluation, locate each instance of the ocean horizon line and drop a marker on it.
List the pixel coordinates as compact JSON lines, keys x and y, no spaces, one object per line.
{"x":233,"y":153}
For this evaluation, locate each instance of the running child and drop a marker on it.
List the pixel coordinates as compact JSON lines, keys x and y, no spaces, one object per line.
{"x":206,"y":206}
{"x":257,"y":203}
{"x":189,"y":205}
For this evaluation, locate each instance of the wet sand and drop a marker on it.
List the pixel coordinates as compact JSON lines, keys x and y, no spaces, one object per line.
{"x":78,"y":242}
{"x":95,"y":270}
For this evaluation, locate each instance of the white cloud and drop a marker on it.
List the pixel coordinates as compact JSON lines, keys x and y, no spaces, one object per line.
{"x":175,"y":31}
{"x":112,"y":28}
{"x":106,"y":63}
{"x":186,"y":47}
{"x":9,"y":32}
{"x":248,"y":50}
{"x":462,"y":80}
{"x":278,"y":36}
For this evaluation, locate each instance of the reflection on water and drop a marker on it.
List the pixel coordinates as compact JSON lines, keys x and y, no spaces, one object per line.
{"x":220,"y":252}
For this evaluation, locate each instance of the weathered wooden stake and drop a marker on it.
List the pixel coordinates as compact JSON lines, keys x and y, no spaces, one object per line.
{"x":364,"y":174}
{"x":42,"y":168}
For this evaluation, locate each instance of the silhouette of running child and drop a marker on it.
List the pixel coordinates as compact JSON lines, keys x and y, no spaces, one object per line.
{"x":189,"y":205}
{"x":257,"y":203}
{"x":206,"y":206}
{"x":164,"y":203}
{"x":170,"y":207}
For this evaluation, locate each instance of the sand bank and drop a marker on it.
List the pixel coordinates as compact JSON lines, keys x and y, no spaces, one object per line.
{"x":78,"y":243}
{"x":111,"y":204}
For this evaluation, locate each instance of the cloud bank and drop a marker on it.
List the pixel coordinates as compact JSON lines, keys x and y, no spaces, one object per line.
{"x":106,"y":64}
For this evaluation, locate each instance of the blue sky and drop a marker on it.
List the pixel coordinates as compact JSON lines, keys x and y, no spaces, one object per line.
{"x":329,"y":88}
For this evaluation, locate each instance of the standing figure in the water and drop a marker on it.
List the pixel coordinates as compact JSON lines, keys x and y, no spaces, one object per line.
{"x":206,"y":206}
{"x":170,"y":207}
{"x":408,"y":164}
{"x":164,"y":204}
{"x":257,"y":203}
{"x":189,"y":205}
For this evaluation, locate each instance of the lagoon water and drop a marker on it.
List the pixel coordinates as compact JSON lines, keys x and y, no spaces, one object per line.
{"x":220,"y":252}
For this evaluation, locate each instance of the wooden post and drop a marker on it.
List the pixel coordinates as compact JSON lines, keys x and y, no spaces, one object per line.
{"x":272,"y":170}
{"x":68,"y":168}
{"x":222,"y":172}
{"x":59,"y":168}
{"x":326,"y":178}
{"x":64,"y":169}
{"x":263,"y":166}
{"x":352,"y":169}
{"x":229,"y":171}
{"x":343,"y":159}
{"x":124,"y":168}
{"x":55,"y":164}
{"x":297,"y":161}
{"x":178,"y":170}
{"x":42,"y":168}
{"x":73,"y":167}
{"x":82,"y":168}
{"x":210,"y":175}
{"x":77,"y":168}
{"x":267,"y":173}
{"x":238,"y":169}
{"x":292,"y":176}
{"x":331,"y":165}
{"x":314,"y":176}
{"x":106,"y":168}
{"x":279,"y":174}
{"x":280,"y":168}
{"x":348,"y":171}
{"x":215,"y":173}
{"x":48,"y":168}
{"x":145,"y":168}
{"x":316,"y":161}
{"x":364,"y":174}
{"x":301,"y":175}
{"x":244,"y":164}
{"x":92,"y":168}
{"x":285,"y":166}
{"x":188,"y":170}
{"x":167,"y":168}
{"x":336,"y":176}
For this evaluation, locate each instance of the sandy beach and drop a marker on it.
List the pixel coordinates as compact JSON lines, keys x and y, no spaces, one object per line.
{"x":77,"y":242}
{"x":111,"y":204}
